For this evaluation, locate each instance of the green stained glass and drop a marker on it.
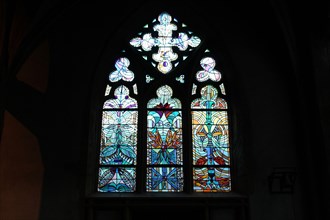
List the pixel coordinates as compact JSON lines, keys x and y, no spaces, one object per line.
{"x":164,"y":99}
{"x":118,"y":143}
{"x":164,"y":137}
{"x":118,"y":137}
{"x":164,"y":129}
{"x":116,"y":179}
{"x":211,"y":179}
{"x":164,"y":143}
{"x":164,"y":179}
{"x":209,"y":99}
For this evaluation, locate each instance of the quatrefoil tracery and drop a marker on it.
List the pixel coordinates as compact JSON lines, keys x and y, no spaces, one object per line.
{"x":165,"y":42}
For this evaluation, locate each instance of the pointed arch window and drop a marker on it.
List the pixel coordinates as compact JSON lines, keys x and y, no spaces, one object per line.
{"x":178,"y":139}
{"x":117,"y":172}
{"x":164,"y":148}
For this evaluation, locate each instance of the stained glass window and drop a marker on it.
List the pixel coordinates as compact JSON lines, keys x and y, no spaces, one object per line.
{"x":164,"y":150}
{"x":210,"y":141}
{"x":181,"y":130}
{"x":117,"y":159}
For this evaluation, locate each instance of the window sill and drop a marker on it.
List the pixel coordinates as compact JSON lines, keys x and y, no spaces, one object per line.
{"x":165,"y":199}
{"x":228,"y":195}
{"x":156,"y":200}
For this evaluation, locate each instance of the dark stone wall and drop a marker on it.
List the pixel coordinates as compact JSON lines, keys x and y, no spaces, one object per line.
{"x":277,"y":61}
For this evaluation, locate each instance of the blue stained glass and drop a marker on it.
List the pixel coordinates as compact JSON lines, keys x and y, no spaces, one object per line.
{"x":164,"y":144}
{"x":163,"y":45}
{"x":118,"y":137}
{"x":164,"y":137}
{"x":164,"y":179}
{"x":116,"y":179}
{"x":118,"y":143}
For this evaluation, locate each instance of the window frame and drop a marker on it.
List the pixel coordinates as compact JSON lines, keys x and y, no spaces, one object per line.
{"x":96,"y":112}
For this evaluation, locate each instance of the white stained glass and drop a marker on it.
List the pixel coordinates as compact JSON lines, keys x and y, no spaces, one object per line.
{"x":122,"y":71}
{"x":165,"y":41}
{"x":208,"y":71}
